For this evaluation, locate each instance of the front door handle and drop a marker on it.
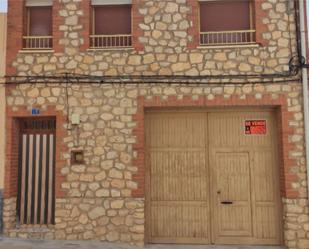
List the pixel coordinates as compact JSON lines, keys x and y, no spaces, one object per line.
{"x":226,"y":202}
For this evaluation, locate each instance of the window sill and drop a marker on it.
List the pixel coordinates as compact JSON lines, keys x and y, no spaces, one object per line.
{"x":254,"y":45}
{"x":110,"y":49}
{"x":36,"y":51}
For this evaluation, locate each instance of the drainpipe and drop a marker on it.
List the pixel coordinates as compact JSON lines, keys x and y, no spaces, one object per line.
{"x":304,"y":83}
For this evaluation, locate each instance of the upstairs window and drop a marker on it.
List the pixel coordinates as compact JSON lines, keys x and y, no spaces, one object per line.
{"x":38,"y":30}
{"x":111,"y":24}
{"x":226,"y":22}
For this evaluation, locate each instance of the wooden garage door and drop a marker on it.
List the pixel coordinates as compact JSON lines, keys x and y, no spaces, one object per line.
{"x":178,"y":180}
{"x":228,"y":197}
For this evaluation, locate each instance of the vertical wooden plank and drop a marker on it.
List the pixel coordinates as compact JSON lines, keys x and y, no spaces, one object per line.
{"x":54,"y":182}
{"x":50,"y":176}
{"x":36,"y":187}
{"x":43,"y":187}
{"x":23,"y":178}
{"x":30,"y":173}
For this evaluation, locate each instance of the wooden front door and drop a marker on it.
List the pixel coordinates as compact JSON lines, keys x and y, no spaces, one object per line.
{"x":36,"y":175}
{"x":208,"y":182}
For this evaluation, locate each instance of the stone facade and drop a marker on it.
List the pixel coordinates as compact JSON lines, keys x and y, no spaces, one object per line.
{"x":103,"y":199}
{"x":165,"y":40}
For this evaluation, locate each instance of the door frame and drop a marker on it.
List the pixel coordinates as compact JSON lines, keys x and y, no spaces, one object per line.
{"x":24,"y":130}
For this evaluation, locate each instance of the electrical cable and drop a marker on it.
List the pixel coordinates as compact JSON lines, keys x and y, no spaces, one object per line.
{"x":142,"y":81}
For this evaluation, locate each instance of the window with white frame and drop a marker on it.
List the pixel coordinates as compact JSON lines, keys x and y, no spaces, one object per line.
{"x":111,"y":24}
{"x":226,"y":22}
{"x":38,"y":25}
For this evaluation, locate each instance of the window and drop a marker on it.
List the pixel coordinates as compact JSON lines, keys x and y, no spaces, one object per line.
{"x":226,"y":22}
{"x":111,"y":25}
{"x":38,"y":30}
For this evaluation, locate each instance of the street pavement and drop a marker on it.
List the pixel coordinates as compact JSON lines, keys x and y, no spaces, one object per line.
{"x":8,"y":243}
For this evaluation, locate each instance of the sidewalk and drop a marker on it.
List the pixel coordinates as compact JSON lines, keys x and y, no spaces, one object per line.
{"x":6,"y":243}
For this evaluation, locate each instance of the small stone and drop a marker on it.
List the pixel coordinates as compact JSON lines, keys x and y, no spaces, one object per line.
{"x":29,"y":59}
{"x":71,"y":65}
{"x":88,"y":59}
{"x":112,"y":236}
{"x":71,"y":20}
{"x":94,"y":186}
{"x":101,"y":176}
{"x":113,"y":173}
{"x":244,"y":67}
{"x":75,"y":212}
{"x":102,"y":193}
{"x":125,"y":158}
{"x":107,"y":116}
{"x":196,"y":58}
{"x":220,"y":57}
{"x":171,"y":7}
{"x":98,"y":151}
{"x":118,"y":221}
{"x":34,"y":93}
{"x":135,"y":60}
{"x":116,"y":183}
{"x":137,"y":229}
{"x":117,"y":204}
{"x":83,"y":219}
{"x":181,"y":66}
{"x":86,"y":178}
{"x":96,"y":213}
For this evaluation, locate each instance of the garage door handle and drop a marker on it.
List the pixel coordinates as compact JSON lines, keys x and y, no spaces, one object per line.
{"x":226,"y":202}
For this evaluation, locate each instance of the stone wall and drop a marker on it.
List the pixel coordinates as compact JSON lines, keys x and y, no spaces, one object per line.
{"x":165,"y":36}
{"x":103,"y":199}
{"x":296,"y":223}
{"x":99,"y":201}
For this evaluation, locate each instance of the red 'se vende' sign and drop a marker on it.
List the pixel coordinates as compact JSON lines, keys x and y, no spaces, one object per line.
{"x":255,"y":127}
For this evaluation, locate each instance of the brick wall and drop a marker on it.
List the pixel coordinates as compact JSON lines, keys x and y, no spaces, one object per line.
{"x":57,"y":22}
{"x":86,"y":23}
{"x":260,"y":12}
{"x":165,"y":41}
{"x":137,"y":18}
{"x":194,"y":30}
{"x":14,"y":32}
